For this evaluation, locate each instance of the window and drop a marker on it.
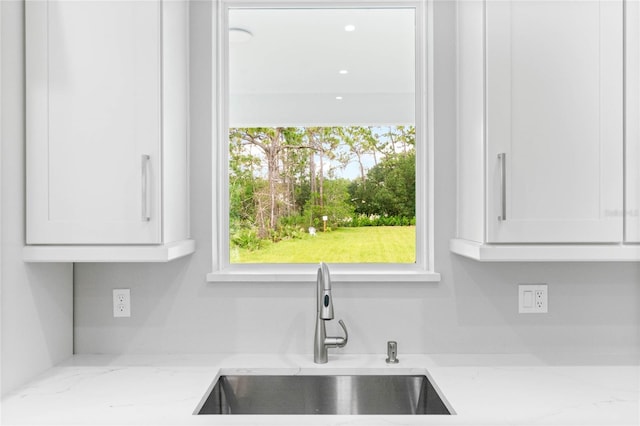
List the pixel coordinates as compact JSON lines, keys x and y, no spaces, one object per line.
{"x":322,"y":129}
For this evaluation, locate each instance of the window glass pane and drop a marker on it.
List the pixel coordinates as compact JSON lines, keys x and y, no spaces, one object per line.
{"x":322,"y":135}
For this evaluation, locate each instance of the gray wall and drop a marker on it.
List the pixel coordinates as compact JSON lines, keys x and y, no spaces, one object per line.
{"x":594,"y":308}
{"x":37,"y":300}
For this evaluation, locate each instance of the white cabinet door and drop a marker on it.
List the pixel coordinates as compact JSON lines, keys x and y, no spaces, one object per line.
{"x":93,"y":122}
{"x":632,"y":122}
{"x":554,"y":88}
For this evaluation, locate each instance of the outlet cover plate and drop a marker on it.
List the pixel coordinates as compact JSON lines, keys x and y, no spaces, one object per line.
{"x":121,"y":303}
{"x":533,"y":299}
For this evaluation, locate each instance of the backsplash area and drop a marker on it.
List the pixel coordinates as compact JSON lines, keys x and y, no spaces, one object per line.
{"x":594,"y":308}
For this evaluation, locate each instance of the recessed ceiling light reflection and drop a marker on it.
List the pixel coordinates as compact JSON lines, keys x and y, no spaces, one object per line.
{"x":350,"y":28}
{"x":343,"y":72}
{"x":338,"y":98}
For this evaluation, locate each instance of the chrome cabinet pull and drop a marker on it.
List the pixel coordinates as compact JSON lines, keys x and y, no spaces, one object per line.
{"x":146,"y":194}
{"x":502,"y":158}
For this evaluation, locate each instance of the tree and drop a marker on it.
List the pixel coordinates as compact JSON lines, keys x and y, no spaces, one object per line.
{"x":270,"y":142}
{"x":322,"y":142}
{"x":277,"y":147}
{"x":336,"y":205}
{"x":360,"y":141}
{"x":242,"y":184}
{"x":389,"y":188}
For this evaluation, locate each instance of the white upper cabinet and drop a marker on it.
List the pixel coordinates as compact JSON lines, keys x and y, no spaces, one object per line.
{"x":541,"y":130}
{"x":554,"y":111}
{"x":107,"y":123}
{"x":632,"y":123}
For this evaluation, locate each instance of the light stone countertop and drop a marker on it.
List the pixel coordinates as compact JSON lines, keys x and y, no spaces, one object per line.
{"x":481,"y":389}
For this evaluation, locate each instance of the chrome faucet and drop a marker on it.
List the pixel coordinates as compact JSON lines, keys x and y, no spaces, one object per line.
{"x":324,"y":312}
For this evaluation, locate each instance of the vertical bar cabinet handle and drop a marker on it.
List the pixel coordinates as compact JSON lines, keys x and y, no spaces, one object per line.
{"x":146,"y":194}
{"x":502,"y":158}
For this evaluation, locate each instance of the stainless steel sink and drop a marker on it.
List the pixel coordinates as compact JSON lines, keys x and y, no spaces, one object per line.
{"x":326,"y":394}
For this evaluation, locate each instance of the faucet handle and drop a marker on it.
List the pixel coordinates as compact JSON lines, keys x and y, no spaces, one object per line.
{"x":346,"y":334}
{"x":338,"y":342}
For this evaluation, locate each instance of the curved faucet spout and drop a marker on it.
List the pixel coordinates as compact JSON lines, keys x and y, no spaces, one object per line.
{"x":324,"y":299}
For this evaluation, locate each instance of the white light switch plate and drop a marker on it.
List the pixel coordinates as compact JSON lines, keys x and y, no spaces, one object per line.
{"x":533,"y":299}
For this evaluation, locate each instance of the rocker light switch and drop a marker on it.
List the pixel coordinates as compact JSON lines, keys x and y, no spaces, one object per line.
{"x":532,"y":298}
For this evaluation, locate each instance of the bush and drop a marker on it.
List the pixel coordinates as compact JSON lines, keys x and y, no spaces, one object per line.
{"x":288,"y":232}
{"x":361,"y":220}
{"x":247,"y":238}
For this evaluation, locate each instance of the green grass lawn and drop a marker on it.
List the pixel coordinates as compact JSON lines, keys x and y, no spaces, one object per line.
{"x":379,"y":244}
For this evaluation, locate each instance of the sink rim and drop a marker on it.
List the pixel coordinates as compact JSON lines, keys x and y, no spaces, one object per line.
{"x":325,"y":371}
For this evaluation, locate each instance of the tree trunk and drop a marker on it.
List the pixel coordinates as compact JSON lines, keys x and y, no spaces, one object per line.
{"x":321,"y":178}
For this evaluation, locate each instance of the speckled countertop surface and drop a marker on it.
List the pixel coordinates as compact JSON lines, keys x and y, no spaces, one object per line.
{"x":482,"y":390}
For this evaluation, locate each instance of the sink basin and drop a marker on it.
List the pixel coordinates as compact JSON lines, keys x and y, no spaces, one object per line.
{"x":323,"y":394}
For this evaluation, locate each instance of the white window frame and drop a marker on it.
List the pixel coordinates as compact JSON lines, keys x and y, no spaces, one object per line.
{"x":423,"y":269}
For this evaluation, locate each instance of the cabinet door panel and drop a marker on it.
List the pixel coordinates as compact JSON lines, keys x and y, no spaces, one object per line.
{"x":93,"y":111}
{"x":554,"y":108}
{"x":632,"y":122}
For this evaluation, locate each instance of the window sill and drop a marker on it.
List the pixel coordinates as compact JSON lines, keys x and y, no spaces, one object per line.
{"x":339,"y":273}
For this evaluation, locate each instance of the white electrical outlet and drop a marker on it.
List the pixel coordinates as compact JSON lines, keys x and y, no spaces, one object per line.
{"x":532,"y":299}
{"x":121,"y":302}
